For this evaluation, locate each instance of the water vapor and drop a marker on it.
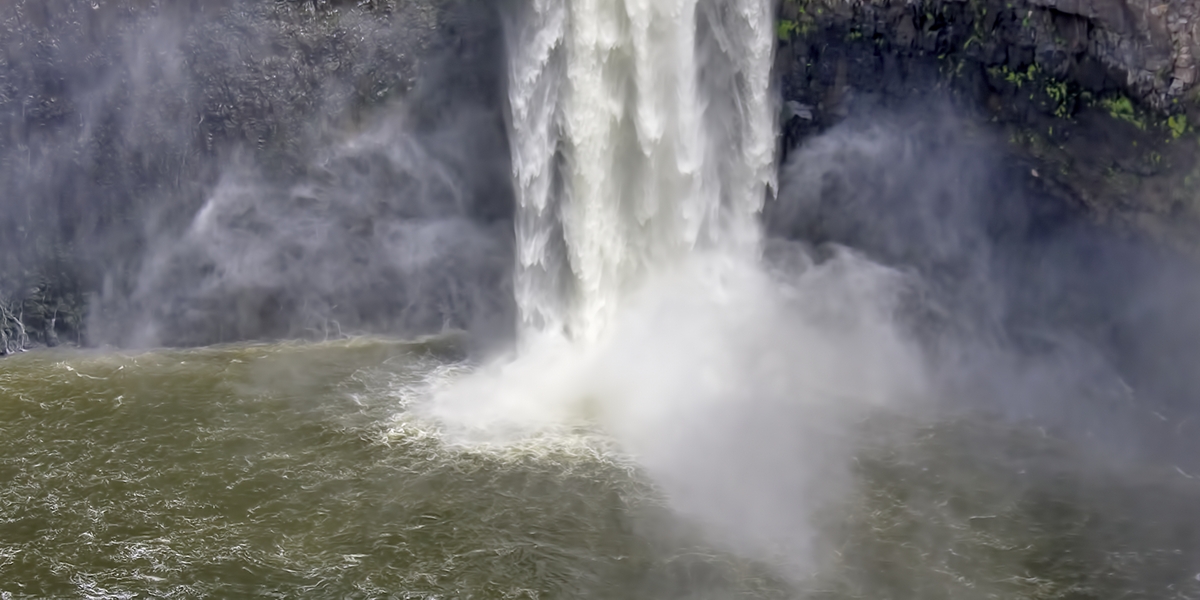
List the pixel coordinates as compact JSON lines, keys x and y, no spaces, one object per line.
{"x":379,"y":235}
{"x":746,"y":340}
{"x":211,"y":172}
{"x":915,"y":282}
{"x":1029,"y":310}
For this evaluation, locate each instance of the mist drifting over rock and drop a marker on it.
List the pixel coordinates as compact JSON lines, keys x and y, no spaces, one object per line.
{"x":144,"y":139}
{"x":573,"y":298}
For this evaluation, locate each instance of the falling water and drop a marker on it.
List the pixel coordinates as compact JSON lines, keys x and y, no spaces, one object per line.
{"x":644,"y":141}
{"x":712,"y":425}
{"x":642,"y":131}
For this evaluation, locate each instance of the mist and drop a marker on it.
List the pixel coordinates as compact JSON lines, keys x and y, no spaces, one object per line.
{"x":1030,"y":308}
{"x":221,"y":172}
{"x":206,"y":182}
{"x":920,"y":298}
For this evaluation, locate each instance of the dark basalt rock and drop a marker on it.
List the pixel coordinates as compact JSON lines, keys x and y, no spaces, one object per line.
{"x":1097,"y":97}
{"x":118,"y":117}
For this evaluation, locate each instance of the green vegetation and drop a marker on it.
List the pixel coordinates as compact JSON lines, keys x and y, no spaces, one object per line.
{"x":1015,"y":78}
{"x":1121,"y":107}
{"x":1062,"y":97}
{"x":803,"y":23}
{"x":1071,"y":132}
{"x":786,"y":29}
{"x":1178,"y":126}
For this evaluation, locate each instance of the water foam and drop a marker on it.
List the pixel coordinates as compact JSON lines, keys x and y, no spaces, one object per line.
{"x":621,"y":157}
{"x":644,"y":141}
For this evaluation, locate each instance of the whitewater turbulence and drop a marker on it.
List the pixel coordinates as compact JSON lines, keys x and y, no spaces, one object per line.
{"x":643,"y":131}
{"x":644,"y":140}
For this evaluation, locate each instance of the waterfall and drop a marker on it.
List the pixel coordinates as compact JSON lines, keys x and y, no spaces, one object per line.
{"x":643,"y":139}
{"x":642,"y":131}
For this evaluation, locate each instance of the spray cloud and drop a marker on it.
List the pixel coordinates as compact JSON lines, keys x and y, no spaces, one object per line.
{"x":907,"y":268}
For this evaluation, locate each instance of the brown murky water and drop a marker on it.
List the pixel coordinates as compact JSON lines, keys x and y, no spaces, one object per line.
{"x":292,"y":471}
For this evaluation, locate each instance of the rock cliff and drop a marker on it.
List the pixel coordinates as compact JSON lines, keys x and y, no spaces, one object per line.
{"x":1099,"y":97}
{"x":119,"y":117}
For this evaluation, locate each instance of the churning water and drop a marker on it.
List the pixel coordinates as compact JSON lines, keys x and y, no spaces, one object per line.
{"x":693,"y":411}
{"x":302,"y":470}
{"x":624,"y":162}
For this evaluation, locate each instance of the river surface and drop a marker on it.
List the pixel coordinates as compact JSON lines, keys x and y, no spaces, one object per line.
{"x":299,"y":471}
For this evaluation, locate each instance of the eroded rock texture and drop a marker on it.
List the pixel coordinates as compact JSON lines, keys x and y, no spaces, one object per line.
{"x":1097,"y":97}
{"x":121,"y":119}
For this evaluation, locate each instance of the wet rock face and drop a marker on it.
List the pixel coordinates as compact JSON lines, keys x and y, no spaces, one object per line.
{"x":1143,"y":47}
{"x":118,"y":118}
{"x":1152,"y":42}
{"x":1097,"y":97}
